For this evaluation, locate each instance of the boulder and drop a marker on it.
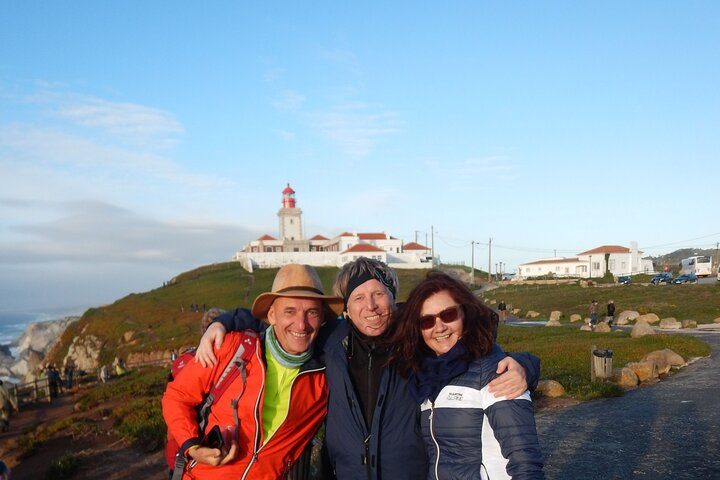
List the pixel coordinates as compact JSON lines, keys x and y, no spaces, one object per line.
{"x":645,"y":370}
{"x":641,"y":329}
{"x":491,"y":302}
{"x":85,"y":351}
{"x":584,"y":284}
{"x":515,"y":311}
{"x":532,"y":314}
{"x":127,"y":336}
{"x":648,"y":318}
{"x":553,"y":323}
{"x":586,"y":328}
{"x":689,"y":324}
{"x":550,"y":388}
{"x":625,"y":316}
{"x":575,"y":317}
{"x":625,"y":377}
{"x":149,"y":357}
{"x":555,"y":315}
{"x":717,"y":320}
{"x":664,"y":360}
{"x":602,"y":327}
{"x":670,"y":323}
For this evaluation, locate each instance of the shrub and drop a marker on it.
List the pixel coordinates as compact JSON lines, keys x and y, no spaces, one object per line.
{"x":62,"y":467}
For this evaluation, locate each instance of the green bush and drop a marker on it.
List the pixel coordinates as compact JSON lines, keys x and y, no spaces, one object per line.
{"x":62,"y":467}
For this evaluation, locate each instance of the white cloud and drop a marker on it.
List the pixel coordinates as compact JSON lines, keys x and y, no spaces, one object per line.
{"x":101,"y":233}
{"x":289,"y":100}
{"x":22,"y":145}
{"x":121,"y":118}
{"x":354,"y":128}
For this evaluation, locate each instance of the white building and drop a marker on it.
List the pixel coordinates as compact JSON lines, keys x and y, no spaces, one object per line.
{"x":320,"y":251}
{"x":592,"y":263}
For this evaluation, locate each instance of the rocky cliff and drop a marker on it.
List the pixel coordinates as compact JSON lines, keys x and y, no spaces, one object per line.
{"x":32,"y":346}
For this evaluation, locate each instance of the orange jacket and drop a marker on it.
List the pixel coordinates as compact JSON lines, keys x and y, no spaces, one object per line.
{"x":308,"y":405}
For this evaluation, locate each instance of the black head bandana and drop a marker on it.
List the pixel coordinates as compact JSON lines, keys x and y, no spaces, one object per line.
{"x":358,"y":280}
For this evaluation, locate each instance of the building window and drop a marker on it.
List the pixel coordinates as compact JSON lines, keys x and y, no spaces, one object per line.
{"x":557,"y":269}
{"x":622,"y":266}
{"x":567,"y":269}
{"x":611,"y":265}
{"x":291,"y":221}
{"x":596,"y":266}
{"x":296,"y":249}
{"x":268,"y":249}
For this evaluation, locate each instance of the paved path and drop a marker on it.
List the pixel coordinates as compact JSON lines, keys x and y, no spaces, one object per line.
{"x":670,"y":430}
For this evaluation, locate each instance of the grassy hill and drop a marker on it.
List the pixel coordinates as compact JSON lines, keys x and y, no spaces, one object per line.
{"x":156,"y":319}
{"x":684,"y":302}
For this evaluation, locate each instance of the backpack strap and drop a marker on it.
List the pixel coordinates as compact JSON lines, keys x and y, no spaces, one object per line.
{"x":234,"y":368}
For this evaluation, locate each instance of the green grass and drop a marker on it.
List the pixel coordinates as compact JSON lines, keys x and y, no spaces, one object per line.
{"x":565,"y":353}
{"x":695,"y":302}
{"x":155,"y":318}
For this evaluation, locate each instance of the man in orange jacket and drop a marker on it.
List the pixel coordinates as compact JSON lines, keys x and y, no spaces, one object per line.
{"x":267,"y":415}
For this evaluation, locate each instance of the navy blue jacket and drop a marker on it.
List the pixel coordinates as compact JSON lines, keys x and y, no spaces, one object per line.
{"x":393,"y":449}
{"x":471,"y":434}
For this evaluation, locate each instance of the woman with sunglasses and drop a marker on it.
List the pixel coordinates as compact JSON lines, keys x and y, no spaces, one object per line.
{"x":445,"y":340}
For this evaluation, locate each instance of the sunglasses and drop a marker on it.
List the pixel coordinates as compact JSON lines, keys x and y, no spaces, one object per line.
{"x":448,"y":315}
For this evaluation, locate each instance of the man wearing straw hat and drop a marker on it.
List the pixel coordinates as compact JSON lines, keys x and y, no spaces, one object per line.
{"x":262,"y":422}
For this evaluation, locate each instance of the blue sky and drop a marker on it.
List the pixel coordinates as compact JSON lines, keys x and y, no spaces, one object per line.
{"x":141,"y":139}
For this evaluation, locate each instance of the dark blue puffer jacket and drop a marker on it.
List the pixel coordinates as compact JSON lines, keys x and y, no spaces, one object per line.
{"x":470,"y":434}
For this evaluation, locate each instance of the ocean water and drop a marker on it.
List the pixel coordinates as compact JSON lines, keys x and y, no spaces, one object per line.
{"x":13,"y":324}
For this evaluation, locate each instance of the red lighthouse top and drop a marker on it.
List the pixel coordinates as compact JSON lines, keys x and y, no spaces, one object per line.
{"x":288,"y":200}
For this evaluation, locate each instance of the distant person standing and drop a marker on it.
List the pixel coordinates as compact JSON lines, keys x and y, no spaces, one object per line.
{"x":502,"y":308}
{"x":7,"y":403}
{"x":611,"y":312}
{"x":593,"y":313}
{"x":69,"y":372}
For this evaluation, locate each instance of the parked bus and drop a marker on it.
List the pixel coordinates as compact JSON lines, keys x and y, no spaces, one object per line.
{"x":699,"y":265}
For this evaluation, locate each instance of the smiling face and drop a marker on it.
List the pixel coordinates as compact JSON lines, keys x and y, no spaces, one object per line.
{"x":441,"y":337}
{"x":296,"y":322}
{"x":370,"y":307}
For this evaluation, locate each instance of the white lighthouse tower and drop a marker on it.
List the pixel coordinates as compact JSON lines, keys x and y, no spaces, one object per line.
{"x":290,"y":219}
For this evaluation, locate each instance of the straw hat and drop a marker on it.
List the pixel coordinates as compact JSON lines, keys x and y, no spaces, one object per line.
{"x":298,"y":281}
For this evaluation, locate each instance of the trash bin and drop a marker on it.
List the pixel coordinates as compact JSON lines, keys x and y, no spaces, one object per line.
{"x":601,"y":367}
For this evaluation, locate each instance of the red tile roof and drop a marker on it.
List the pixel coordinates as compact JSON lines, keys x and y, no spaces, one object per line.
{"x":267,"y":237}
{"x":555,"y":260}
{"x":346,"y":234}
{"x":606,"y":249}
{"x":363,"y":247}
{"x":319,"y":237}
{"x":414,"y":246}
{"x":372,"y":236}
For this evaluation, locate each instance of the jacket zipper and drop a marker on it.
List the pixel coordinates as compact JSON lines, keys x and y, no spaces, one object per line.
{"x":369,"y":395}
{"x":257,"y":419}
{"x":437,"y":445}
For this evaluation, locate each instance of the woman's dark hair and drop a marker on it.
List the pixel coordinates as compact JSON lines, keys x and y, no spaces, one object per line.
{"x":478,"y":326}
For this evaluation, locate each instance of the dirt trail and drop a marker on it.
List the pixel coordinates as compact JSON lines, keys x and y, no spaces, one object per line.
{"x":101,"y":453}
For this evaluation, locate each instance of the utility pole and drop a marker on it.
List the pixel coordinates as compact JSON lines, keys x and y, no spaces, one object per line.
{"x":490,"y":260}
{"x":496,"y":271}
{"x":432,"y":245}
{"x":501,"y":270}
{"x":472,"y":263}
{"x":416,"y":232}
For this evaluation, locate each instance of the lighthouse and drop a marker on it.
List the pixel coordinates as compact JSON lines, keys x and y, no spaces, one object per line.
{"x":290,"y":217}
